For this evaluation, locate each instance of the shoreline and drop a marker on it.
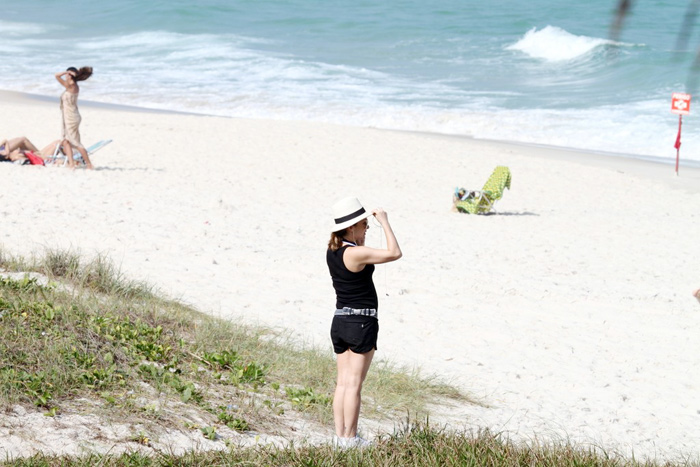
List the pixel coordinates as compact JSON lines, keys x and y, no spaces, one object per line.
{"x":688,"y":178}
{"x":569,"y":312}
{"x":688,"y":168}
{"x":24,"y":97}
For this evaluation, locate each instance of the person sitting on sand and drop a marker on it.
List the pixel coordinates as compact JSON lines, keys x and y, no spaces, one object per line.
{"x":13,"y":149}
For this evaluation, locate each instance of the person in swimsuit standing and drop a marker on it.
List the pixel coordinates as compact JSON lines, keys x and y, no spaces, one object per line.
{"x":69,"y":109}
{"x":355,"y":324}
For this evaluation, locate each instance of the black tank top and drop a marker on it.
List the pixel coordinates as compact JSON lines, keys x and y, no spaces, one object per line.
{"x":352,"y":289}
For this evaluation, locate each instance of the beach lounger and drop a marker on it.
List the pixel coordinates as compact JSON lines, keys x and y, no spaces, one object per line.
{"x":58,"y":158}
{"x":481,"y":202}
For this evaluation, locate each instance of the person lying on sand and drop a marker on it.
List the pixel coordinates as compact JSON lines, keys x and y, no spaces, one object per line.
{"x":16,"y":149}
{"x":13,"y":149}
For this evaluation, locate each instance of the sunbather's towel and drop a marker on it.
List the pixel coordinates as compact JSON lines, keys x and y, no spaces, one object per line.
{"x":499,"y":179}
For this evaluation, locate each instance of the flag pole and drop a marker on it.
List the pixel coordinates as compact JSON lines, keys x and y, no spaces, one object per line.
{"x":678,"y":142}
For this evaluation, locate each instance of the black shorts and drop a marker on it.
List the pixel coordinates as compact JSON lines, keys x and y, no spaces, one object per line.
{"x":357,"y":333}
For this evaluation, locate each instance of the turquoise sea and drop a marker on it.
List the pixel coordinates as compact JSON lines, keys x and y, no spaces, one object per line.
{"x":542,"y":71}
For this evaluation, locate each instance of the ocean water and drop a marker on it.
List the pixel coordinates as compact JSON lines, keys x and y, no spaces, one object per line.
{"x":543,"y":71}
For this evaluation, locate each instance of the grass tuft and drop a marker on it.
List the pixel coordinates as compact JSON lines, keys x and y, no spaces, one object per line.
{"x":418,"y":444}
{"x":60,"y":264}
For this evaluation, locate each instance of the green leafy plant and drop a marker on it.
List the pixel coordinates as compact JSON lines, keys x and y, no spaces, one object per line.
{"x":35,"y":386}
{"x":232,"y":421}
{"x":221,"y":360}
{"x":209,"y":432}
{"x":306,"y":397}
{"x":251,"y":373}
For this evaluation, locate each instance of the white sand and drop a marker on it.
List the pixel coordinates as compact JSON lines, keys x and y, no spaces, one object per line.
{"x":570,"y":313}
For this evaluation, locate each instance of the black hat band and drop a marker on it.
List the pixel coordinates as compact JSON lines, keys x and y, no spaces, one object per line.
{"x":340,"y":220}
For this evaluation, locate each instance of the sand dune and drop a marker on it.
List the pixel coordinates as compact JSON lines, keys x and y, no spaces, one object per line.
{"x":569,"y":313}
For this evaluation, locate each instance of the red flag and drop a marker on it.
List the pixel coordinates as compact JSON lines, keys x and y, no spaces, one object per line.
{"x":678,"y":138}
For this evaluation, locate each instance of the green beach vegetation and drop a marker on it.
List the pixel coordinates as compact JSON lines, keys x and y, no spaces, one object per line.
{"x":80,"y":338}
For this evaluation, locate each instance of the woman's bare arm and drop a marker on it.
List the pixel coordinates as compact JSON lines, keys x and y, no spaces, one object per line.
{"x":59,"y":77}
{"x":357,"y":258}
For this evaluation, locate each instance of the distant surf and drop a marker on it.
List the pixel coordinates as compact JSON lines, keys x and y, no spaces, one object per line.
{"x":534,"y":72}
{"x":555,"y":44}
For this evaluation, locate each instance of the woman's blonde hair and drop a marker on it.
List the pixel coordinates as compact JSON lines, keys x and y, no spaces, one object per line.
{"x":336,"y":240}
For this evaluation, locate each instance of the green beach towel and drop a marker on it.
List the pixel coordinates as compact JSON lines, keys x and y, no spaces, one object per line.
{"x":481,"y":202}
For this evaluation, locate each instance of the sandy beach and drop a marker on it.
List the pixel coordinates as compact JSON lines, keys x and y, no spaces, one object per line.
{"x":569,"y":313}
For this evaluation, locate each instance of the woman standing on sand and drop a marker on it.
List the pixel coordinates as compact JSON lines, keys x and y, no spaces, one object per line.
{"x":69,"y":109}
{"x":355,"y":326}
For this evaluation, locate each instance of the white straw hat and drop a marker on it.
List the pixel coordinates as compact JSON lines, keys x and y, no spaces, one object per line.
{"x":347,"y":212}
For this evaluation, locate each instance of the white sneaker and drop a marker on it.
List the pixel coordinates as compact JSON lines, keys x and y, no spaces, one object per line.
{"x":350,"y":443}
{"x":360,"y":442}
{"x":341,"y":443}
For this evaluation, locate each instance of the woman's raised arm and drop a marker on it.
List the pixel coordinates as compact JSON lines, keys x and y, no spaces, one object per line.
{"x":358,"y":257}
{"x":59,"y":78}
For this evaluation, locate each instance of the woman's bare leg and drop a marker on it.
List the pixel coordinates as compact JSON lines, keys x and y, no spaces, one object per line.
{"x":21,"y":143}
{"x":352,"y":370}
{"x":50,"y":149}
{"x":84,"y":153}
{"x":68,"y":151}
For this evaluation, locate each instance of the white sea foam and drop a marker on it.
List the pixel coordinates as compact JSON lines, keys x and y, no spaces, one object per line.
{"x":13,"y":28}
{"x":554,"y":44}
